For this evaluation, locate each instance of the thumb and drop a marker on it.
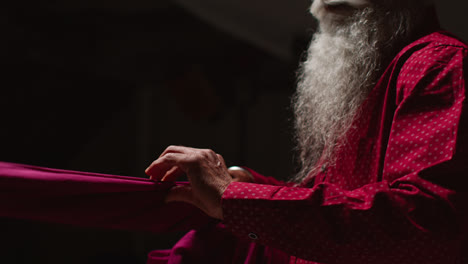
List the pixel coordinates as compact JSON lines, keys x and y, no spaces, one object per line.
{"x":185,"y":194}
{"x":181,"y":193}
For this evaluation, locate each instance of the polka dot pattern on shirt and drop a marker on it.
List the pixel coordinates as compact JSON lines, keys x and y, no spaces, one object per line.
{"x":373,"y":205}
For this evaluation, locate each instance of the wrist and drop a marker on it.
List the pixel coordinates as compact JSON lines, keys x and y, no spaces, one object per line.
{"x":240,"y":174}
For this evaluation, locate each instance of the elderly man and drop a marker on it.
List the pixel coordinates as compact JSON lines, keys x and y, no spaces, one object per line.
{"x":378,"y":118}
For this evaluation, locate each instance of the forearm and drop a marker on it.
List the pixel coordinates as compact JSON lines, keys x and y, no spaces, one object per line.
{"x":316,"y":223}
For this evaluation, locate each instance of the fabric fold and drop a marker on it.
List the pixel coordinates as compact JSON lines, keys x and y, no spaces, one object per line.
{"x":92,"y":200}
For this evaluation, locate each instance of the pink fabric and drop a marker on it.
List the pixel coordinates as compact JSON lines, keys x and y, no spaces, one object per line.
{"x":159,"y":256}
{"x":118,"y":202}
{"x":397,"y":193}
{"x":91,"y":199}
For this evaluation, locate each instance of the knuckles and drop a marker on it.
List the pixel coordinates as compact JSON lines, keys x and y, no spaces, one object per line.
{"x":171,"y":148}
{"x":201,"y":155}
{"x":169,"y":157}
{"x":208,"y":153}
{"x":190,"y":156}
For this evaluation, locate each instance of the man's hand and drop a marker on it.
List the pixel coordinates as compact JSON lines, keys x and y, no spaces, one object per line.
{"x":205,"y":170}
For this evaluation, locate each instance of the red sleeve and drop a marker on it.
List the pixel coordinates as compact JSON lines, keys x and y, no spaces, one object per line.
{"x":260,"y":179}
{"x":413,"y":215}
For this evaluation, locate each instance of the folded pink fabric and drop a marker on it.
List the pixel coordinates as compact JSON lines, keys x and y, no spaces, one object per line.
{"x":118,"y":202}
{"x":92,"y":200}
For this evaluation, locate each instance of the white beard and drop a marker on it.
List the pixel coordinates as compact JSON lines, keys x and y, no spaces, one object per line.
{"x":344,"y":63}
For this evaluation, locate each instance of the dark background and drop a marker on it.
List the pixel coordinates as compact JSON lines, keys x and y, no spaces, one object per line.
{"x":107,"y":88}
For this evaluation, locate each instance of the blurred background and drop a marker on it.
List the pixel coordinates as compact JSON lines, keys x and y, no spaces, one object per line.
{"x":106,"y":86}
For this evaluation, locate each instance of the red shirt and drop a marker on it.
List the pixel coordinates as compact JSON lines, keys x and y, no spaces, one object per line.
{"x":396,"y":193}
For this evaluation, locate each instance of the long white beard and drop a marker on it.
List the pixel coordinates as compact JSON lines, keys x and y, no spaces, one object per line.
{"x":343,"y":64}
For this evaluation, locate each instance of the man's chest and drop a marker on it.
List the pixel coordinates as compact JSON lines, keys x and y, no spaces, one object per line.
{"x":359,"y":156}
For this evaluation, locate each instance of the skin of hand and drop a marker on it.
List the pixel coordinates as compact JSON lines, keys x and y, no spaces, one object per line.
{"x":206,"y":171}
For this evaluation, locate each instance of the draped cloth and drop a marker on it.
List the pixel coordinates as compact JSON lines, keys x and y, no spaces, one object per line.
{"x":103,"y":201}
{"x":118,"y":202}
{"x":127,"y":203}
{"x":91,"y":199}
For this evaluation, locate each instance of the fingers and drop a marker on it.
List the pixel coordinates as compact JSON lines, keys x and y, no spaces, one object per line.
{"x":206,"y":172}
{"x":163,"y":165}
{"x":173,"y":174}
{"x":182,"y":158}
{"x":174,"y":149}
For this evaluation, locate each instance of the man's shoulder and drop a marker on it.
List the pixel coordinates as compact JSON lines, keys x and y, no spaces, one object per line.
{"x":442,"y":41}
{"x":441,"y":38}
{"x":426,"y":61}
{"x":433,"y":51}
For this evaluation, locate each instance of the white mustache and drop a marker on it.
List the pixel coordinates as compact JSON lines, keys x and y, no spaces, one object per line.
{"x":353,"y":3}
